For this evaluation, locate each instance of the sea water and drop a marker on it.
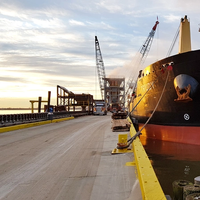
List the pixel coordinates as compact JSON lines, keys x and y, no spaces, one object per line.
{"x":173,"y":161}
{"x":8,"y":112}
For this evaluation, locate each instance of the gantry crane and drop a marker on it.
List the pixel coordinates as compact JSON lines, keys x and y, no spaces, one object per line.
{"x":144,"y":50}
{"x":100,"y":67}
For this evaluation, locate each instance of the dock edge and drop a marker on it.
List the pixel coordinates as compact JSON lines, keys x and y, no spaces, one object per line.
{"x":149,"y":184}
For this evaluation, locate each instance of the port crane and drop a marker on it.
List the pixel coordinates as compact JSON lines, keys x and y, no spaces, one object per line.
{"x":144,"y":50}
{"x":100,"y":67}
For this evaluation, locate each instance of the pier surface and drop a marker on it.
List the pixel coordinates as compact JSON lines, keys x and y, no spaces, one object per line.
{"x":69,"y":160}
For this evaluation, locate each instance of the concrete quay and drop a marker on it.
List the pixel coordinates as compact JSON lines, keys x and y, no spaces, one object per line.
{"x":66,"y":160}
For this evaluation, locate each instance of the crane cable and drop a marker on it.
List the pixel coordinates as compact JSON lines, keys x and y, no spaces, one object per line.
{"x":139,"y":132}
{"x":173,"y":42}
{"x":132,"y":93}
{"x":137,"y":78}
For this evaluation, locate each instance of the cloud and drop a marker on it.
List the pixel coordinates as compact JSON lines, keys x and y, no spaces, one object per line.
{"x":45,"y":43}
{"x":117,"y":6}
{"x":76,"y":23}
{"x":172,"y":18}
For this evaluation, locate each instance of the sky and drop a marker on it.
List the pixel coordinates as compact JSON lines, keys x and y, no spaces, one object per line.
{"x":51,"y":42}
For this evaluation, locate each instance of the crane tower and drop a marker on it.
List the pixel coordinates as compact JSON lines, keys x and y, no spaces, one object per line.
{"x":147,"y":44}
{"x":100,"y":67}
{"x":144,"y":50}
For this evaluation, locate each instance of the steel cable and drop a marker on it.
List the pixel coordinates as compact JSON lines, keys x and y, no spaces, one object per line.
{"x":139,"y":132}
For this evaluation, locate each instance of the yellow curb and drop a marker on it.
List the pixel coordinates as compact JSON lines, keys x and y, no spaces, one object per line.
{"x":22,"y":126}
{"x":149,"y":184}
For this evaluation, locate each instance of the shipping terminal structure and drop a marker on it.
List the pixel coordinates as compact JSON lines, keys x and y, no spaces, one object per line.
{"x":112,"y":89}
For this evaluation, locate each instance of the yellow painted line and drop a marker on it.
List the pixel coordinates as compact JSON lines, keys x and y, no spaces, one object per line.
{"x":149,"y":184}
{"x":22,"y":126}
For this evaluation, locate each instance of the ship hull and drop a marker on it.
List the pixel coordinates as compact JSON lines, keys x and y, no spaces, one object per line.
{"x":180,"y":134}
{"x":177,"y":116}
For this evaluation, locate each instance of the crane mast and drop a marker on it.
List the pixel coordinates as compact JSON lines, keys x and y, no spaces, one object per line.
{"x":144,"y":50}
{"x":147,"y":44}
{"x":100,"y":67}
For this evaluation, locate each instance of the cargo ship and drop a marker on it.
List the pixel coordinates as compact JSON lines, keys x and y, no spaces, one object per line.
{"x":167,"y":95}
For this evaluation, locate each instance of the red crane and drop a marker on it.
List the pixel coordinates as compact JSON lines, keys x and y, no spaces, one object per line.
{"x":144,"y":50}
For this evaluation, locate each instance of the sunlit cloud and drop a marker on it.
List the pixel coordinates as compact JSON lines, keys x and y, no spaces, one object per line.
{"x":117,"y":6}
{"x":76,"y":23}
{"x":172,"y":18}
{"x":48,"y":43}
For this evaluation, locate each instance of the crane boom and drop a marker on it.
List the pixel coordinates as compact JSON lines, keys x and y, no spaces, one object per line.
{"x":147,"y":44}
{"x":144,"y":50}
{"x":100,"y":66}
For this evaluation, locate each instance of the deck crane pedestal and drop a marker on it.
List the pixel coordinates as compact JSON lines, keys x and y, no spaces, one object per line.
{"x":144,"y":50}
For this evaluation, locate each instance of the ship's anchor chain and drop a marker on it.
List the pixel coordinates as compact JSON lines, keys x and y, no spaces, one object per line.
{"x":139,"y":132}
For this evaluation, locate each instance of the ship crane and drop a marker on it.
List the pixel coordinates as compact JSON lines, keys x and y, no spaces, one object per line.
{"x":144,"y":50}
{"x":100,"y":67}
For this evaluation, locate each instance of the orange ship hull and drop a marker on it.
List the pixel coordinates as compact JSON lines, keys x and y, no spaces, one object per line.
{"x":180,"y":134}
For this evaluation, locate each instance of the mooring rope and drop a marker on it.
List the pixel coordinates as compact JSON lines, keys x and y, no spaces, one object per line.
{"x":141,"y":98}
{"x":157,"y":103}
{"x":139,"y":132}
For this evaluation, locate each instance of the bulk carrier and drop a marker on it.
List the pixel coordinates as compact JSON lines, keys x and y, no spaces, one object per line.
{"x":168,"y":95}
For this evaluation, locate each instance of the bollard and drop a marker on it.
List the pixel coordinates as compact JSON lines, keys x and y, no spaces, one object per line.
{"x":190,"y":189}
{"x":122,"y":139}
{"x":122,"y":144}
{"x":178,"y":186}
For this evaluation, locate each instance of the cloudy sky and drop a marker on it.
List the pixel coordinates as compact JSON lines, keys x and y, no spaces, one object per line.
{"x":51,"y":42}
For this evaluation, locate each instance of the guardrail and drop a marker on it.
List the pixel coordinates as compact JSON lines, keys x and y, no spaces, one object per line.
{"x":28,"y":125}
{"x":15,"y":119}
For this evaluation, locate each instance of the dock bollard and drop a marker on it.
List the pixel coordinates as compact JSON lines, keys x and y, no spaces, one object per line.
{"x":194,"y":196}
{"x":178,"y":186}
{"x":190,"y":189}
{"x":122,"y":144}
{"x":122,"y":140}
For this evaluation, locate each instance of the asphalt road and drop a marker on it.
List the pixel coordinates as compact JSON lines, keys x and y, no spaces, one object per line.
{"x":69,"y":160}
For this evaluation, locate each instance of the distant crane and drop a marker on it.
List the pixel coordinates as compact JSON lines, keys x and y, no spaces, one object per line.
{"x":100,"y":67}
{"x":144,"y":50}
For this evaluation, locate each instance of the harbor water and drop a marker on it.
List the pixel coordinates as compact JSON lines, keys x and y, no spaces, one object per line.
{"x":173,"y":161}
